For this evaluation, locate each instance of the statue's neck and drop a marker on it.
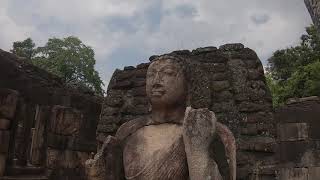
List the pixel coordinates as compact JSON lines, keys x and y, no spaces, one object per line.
{"x":168,"y":114}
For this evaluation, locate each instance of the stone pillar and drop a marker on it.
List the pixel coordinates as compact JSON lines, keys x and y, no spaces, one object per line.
{"x":39,"y":136}
{"x":65,"y":154}
{"x":314,"y":10}
{"x":8,"y":103}
{"x":22,"y":139}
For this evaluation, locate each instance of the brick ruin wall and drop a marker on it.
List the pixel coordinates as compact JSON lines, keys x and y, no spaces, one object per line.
{"x":43,"y":122}
{"x":299,"y":139}
{"x":229,"y":81}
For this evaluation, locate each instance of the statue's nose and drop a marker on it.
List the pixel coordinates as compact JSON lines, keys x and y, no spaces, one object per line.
{"x":157,"y":78}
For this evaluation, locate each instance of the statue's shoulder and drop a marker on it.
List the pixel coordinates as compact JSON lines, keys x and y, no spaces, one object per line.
{"x":131,"y":127}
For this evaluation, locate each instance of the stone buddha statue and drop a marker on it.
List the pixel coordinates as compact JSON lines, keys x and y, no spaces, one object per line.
{"x":175,"y":142}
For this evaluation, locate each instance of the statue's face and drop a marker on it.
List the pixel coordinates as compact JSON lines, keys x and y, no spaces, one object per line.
{"x":165,"y":84}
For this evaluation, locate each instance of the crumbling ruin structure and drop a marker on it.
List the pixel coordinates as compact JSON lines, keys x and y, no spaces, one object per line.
{"x":229,"y":81}
{"x":47,"y":130}
{"x":298,"y":137}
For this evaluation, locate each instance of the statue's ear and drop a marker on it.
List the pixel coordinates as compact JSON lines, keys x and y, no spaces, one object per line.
{"x":223,"y":150}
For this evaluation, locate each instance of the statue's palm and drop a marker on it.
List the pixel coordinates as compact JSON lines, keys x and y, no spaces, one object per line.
{"x":199,"y":128}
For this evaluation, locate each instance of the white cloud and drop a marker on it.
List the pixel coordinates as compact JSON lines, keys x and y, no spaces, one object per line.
{"x":9,"y":30}
{"x":153,"y":27}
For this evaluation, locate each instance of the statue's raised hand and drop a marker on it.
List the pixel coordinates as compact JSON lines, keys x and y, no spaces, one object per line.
{"x":198,"y":129}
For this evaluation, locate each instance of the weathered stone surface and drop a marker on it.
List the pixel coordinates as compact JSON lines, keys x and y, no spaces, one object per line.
{"x":57,"y":141}
{"x":293,"y":131}
{"x":139,"y":91}
{"x":232,"y":47}
{"x":258,"y":144}
{"x":313,"y":173}
{"x":38,"y":149}
{"x":294,"y":174}
{"x":143,"y":65}
{"x":220,"y":85}
{"x":245,"y":100}
{"x":8,"y":103}
{"x":239,"y":74}
{"x":256,"y":117}
{"x":252,"y":106}
{"x":109,"y":111}
{"x":250,"y":129}
{"x":99,"y":168}
{"x":254,"y":74}
{"x":65,"y":120}
{"x":314,"y":10}
{"x":303,"y":112}
{"x":201,"y":87}
{"x":139,"y":82}
{"x":128,"y":68}
{"x":219,"y":76}
{"x":292,"y":151}
{"x":3,"y":157}
{"x":141,"y":73}
{"x":61,"y":142}
{"x":214,"y":67}
{"x":222,"y":106}
{"x":223,"y":96}
{"x":65,"y":163}
{"x":114,"y":99}
{"x":66,"y":159}
{"x":4,"y":141}
{"x":298,"y":131}
{"x":36,"y":86}
{"x":4,"y":124}
{"x":204,"y":50}
{"x":107,"y":128}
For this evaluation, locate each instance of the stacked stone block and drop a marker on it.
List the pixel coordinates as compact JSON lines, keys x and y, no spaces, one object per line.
{"x":299,"y":139}
{"x":65,"y":156}
{"x":8,"y":104}
{"x":35,"y":135}
{"x":230,"y":81}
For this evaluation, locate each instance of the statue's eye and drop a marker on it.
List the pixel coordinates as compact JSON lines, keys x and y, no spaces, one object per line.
{"x":150,"y":74}
{"x":169,"y":72}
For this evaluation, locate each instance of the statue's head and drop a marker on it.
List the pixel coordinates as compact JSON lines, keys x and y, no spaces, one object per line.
{"x":166,"y":83}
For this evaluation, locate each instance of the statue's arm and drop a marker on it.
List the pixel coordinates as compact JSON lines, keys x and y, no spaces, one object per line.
{"x":208,"y":144}
{"x":107,"y":163}
{"x":224,"y":151}
{"x":198,"y":130}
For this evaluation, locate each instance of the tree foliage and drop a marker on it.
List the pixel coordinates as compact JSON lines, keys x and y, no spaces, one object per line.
{"x":68,"y":58}
{"x":24,"y":48}
{"x":295,"y":72}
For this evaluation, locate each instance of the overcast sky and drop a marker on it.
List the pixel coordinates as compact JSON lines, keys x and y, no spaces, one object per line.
{"x":127,"y":32}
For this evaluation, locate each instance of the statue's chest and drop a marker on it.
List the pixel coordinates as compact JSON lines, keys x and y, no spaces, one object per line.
{"x":154,"y":149}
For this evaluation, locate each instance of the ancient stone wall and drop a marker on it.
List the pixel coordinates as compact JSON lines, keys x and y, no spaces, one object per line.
{"x":314,"y":10}
{"x":54,"y":126}
{"x":299,"y":139}
{"x":8,"y":104}
{"x":230,"y":81}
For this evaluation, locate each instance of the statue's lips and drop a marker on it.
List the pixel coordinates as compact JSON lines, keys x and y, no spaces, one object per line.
{"x":157,"y":92}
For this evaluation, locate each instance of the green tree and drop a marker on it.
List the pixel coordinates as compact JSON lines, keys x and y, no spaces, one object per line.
{"x":71,"y":60}
{"x":295,"y":72}
{"x":24,"y":48}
